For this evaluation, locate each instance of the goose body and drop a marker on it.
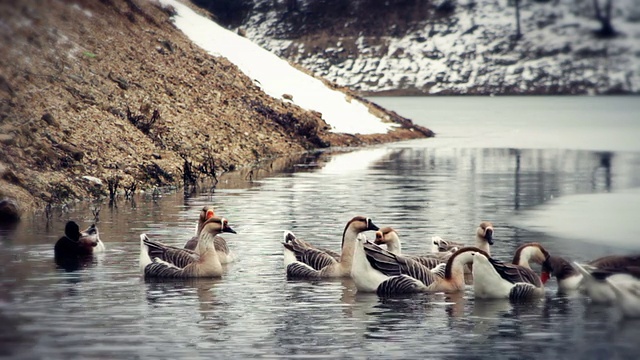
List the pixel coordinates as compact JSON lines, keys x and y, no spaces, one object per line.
{"x":161,"y":261}
{"x":224,"y":253}
{"x":566,"y":275}
{"x":493,"y":279}
{"x":291,"y":237}
{"x":627,"y":294}
{"x":302,"y":261}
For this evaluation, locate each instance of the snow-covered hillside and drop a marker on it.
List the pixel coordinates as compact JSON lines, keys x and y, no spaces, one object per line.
{"x":472,"y":50}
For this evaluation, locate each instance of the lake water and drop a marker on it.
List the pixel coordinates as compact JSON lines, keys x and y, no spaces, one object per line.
{"x":523,"y":163}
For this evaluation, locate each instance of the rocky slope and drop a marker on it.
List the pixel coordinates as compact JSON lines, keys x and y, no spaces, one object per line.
{"x":449,"y":46}
{"x":110,"y":92}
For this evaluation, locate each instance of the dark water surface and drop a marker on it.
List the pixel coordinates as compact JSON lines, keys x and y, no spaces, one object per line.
{"x":442,"y":186}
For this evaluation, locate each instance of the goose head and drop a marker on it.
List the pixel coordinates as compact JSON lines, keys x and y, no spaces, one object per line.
{"x":485,"y":232}
{"x":72,"y":231}
{"x":386,"y":235}
{"x":205,"y":214}
{"x":533,"y":252}
{"x":217,"y":225}
{"x":90,"y":237}
{"x":357,"y":225}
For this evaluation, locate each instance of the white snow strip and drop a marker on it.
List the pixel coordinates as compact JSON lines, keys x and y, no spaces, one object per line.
{"x":276,"y":76}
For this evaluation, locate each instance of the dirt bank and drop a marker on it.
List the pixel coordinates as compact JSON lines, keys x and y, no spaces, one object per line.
{"x":100,"y":95}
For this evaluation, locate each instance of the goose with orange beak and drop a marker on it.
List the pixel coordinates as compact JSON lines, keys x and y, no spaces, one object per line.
{"x":224,"y":253}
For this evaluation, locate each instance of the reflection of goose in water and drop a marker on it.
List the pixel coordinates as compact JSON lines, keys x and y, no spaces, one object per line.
{"x":172,"y":295}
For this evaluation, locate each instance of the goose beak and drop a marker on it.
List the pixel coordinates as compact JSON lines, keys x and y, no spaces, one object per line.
{"x":371,"y":225}
{"x":229,"y":230}
{"x":209,"y":214}
{"x":489,"y":236}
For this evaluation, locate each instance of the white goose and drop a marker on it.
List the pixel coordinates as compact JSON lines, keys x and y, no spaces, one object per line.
{"x":493,"y":279}
{"x":224,"y":253}
{"x":627,"y":291}
{"x":162,"y":261}
{"x":483,"y":240}
{"x":300,"y":261}
{"x":612,"y":267}
{"x":389,"y":237}
{"x":385,"y":273}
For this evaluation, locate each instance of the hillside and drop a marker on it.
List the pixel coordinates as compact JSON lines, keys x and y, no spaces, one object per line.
{"x":110,"y":95}
{"x":449,"y":46}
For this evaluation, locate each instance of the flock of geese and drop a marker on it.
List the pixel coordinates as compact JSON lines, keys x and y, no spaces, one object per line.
{"x":381,"y":267}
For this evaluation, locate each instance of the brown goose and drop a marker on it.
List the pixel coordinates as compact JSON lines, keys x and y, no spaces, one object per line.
{"x":172,"y":262}
{"x":532,"y":252}
{"x":224,"y":253}
{"x":390,"y":238}
{"x":494,"y":279}
{"x":300,"y":261}
{"x":483,"y":240}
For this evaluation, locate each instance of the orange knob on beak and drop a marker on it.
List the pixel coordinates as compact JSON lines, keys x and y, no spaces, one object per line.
{"x":210,"y":214}
{"x":544,"y":276}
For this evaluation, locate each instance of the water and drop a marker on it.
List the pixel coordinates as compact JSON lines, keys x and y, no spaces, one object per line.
{"x":474,"y":170}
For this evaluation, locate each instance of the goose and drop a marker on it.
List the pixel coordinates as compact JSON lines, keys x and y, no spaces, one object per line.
{"x":484,"y":238}
{"x":301,"y":261}
{"x":627,"y":294}
{"x":532,"y":252}
{"x":390,"y":238}
{"x":224,"y":253}
{"x":385,"y":273}
{"x":493,"y":279}
{"x":77,"y":244}
{"x":612,"y":268}
{"x":172,"y":262}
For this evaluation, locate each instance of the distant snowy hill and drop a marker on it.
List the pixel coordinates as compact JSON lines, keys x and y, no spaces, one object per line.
{"x":448,"y":46}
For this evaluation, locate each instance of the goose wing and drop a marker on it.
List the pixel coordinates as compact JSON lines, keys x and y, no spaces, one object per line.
{"x":603,"y":273}
{"x":316,"y":259}
{"x":391,"y":264}
{"x":290,"y":237}
{"x":616,"y":261}
{"x":428,"y":261}
{"x":521,"y":291}
{"x":220,"y":244}
{"x":162,"y":269}
{"x":515,"y":273}
{"x":298,"y":270}
{"x":170,"y":254}
{"x":398,"y":285}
